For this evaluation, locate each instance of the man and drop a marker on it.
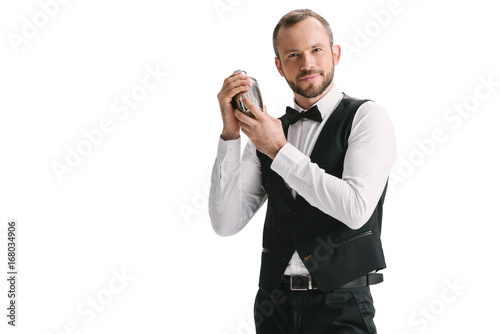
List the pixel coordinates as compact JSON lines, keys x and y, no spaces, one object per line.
{"x":323,"y":168}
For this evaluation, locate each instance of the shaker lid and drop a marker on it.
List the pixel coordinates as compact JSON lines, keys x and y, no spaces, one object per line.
{"x":240,"y":71}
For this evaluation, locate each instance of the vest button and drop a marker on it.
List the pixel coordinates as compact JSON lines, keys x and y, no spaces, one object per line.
{"x":295,"y":214}
{"x":295,"y":236}
{"x":284,"y":260}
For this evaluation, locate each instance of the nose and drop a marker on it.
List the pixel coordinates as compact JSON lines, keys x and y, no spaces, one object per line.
{"x":307,"y":62}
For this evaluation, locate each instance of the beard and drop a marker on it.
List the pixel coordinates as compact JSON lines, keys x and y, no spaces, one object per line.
{"x":311,"y":91}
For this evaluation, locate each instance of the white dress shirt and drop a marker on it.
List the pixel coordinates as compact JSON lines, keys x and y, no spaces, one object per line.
{"x":237,"y":192}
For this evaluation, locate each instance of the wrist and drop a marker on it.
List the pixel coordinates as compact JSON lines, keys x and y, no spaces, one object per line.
{"x":229,"y":135}
{"x":278,"y":148}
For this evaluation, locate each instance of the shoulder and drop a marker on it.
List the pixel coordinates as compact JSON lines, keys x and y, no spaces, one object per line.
{"x":371,"y":112}
{"x":372,"y":122}
{"x":367,"y":112}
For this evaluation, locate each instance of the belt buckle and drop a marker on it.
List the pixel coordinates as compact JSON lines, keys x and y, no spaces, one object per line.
{"x":309,"y":278}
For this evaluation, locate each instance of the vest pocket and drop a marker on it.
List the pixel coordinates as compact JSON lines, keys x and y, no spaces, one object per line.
{"x":267,"y":251}
{"x":354,"y":237}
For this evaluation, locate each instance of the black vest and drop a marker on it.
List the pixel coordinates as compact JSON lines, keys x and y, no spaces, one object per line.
{"x":333,"y":253}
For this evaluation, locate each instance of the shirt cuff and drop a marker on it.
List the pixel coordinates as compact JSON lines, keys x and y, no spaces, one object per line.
{"x":229,"y":150}
{"x":288,"y":159}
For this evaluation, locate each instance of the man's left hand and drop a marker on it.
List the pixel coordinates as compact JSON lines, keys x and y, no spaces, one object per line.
{"x":265,"y":132}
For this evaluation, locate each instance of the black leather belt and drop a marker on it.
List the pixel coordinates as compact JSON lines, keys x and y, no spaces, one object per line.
{"x":306,"y":282}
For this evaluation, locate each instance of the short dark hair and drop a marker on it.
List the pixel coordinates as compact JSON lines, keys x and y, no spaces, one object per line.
{"x":296,"y":16}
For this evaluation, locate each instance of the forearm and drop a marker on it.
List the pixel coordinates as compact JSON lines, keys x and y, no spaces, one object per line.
{"x":236,"y":192}
{"x":350,"y":201}
{"x":352,"y":197}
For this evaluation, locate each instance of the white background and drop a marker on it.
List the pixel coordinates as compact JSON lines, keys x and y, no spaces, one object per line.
{"x":137,"y":202}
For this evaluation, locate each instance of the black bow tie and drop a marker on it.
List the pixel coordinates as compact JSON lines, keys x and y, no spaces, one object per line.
{"x":292,"y":116}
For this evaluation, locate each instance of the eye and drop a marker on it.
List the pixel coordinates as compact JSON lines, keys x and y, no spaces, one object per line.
{"x":317,"y":50}
{"x":292,"y":55}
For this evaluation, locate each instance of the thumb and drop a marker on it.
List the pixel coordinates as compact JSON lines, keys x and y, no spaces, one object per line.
{"x":254,"y":109}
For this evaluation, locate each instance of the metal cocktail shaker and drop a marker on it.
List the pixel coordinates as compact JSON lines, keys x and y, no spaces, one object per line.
{"x":253,"y":94}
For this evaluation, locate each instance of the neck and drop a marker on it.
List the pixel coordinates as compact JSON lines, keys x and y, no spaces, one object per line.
{"x":306,"y":103}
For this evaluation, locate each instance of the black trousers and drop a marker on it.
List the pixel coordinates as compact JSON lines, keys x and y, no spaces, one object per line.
{"x":341,"y":311}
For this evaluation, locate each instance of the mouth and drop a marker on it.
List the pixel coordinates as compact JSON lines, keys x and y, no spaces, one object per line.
{"x":310,"y":78}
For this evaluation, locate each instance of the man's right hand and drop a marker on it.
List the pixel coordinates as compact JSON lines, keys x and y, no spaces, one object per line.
{"x":233,"y":85}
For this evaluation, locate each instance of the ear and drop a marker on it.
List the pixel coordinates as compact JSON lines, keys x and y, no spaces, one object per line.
{"x":277,"y":62}
{"x":336,"y":54}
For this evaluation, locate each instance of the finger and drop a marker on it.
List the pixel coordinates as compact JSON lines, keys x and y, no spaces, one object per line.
{"x":245,"y":129}
{"x":246,"y":133}
{"x":243,"y":118}
{"x":237,"y":74}
{"x":235,"y":87}
{"x":237,"y":80}
{"x":256,"y":111}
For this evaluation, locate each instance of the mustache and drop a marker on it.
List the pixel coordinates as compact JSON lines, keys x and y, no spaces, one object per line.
{"x":308,"y":73}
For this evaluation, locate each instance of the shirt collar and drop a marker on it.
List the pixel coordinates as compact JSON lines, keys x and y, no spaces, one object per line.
{"x":327,"y":103}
